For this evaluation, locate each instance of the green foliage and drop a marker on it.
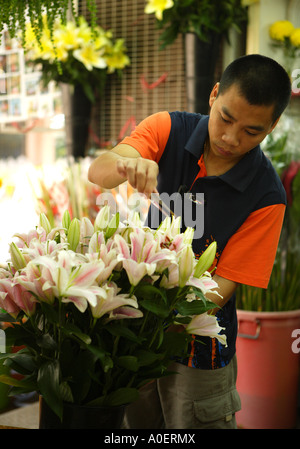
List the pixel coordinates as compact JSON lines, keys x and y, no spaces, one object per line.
{"x":201,"y":17}
{"x":13,"y":14}
{"x":283,"y":292}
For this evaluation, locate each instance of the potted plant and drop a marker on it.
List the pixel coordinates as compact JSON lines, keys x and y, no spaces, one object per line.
{"x":203,"y":23}
{"x":268,"y":374}
{"x":96,"y":308}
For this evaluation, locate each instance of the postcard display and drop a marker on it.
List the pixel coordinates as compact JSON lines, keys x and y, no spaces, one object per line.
{"x":22,"y":94}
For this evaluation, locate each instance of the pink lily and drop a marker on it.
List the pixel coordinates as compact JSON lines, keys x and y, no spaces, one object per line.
{"x":69,"y":283}
{"x":25,"y":239}
{"x":205,"y":283}
{"x":7,"y":302}
{"x":86,"y":232}
{"x":124,"y":313}
{"x":108,"y":258}
{"x":15,"y":297}
{"x":136,"y":271}
{"x":112,"y":300}
{"x":172,"y":279}
{"x":24,"y":299}
{"x":141,"y":258}
{"x":206,"y":325}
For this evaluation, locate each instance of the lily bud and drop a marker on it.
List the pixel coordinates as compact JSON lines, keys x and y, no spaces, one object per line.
{"x":112,"y":225}
{"x":74,"y":234}
{"x":185,"y":265}
{"x":44,"y":223}
{"x":188,"y":236}
{"x":205,"y":260}
{"x":66,"y":220}
{"x":17,"y":258}
{"x":102,"y":219}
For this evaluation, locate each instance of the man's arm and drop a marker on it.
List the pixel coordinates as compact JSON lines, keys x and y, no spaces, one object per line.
{"x":226,"y":289}
{"x":124,"y":163}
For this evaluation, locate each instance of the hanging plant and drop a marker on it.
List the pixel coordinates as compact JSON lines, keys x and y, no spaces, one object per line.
{"x":15,"y":13}
{"x":201,"y":17}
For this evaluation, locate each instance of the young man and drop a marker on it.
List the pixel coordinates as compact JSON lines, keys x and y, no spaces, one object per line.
{"x":244,"y":203}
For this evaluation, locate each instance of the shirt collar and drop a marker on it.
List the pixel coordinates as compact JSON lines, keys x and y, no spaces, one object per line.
{"x":195,"y":144}
{"x":241,"y":174}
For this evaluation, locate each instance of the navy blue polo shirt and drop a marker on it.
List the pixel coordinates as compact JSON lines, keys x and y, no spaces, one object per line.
{"x":237,"y":203}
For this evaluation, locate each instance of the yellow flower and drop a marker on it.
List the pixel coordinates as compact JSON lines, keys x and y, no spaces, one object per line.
{"x":102,"y":38}
{"x":281,"y":29}
{"x":29,"y":36}
{"x":60,"y":52}
{"x":67,"y":36}
{"x":157,"y":7}
{"x":90,"y":57}
{"x":116,"y":57}
{"x":295,"y":37}
{"x":84,"y":31}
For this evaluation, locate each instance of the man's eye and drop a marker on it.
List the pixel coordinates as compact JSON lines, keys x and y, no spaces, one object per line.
{"x":225,"y":120}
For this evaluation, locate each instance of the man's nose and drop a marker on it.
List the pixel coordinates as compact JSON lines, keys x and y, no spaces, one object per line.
{"x":231,"y":138}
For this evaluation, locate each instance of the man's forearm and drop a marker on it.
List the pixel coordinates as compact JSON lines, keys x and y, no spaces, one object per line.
{"x":103,"y":170}
{"x":226,"y":289}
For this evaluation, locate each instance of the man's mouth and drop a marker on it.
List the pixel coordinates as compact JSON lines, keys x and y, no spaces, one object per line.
{"x":223,"y":151}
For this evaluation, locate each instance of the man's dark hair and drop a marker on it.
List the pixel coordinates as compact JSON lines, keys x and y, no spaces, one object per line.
{"x":261,"y":80}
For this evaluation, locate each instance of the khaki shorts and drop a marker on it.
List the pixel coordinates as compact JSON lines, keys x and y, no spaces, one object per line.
{"x":191,"y":399}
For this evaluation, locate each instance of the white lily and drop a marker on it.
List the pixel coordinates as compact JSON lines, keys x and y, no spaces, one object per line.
{"x":111,"y":301}
{"x":206,"y":325}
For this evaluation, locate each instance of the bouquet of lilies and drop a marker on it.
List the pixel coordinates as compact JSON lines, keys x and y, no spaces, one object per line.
{"x":96,"y":308}
{"x":75,"y":53}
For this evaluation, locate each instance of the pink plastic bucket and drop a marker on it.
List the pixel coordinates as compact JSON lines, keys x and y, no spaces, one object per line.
{"x":268,"y":369}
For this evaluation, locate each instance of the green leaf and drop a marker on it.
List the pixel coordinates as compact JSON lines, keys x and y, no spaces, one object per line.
{"x":66,"y":392}
{"x":146,"y":358}
{"x":147,"y":291}
{"x":129,"y":362}
{"x":103,"y":356}
{"x":7,"y":318}
{"x":46,"y":341}
{"x":50,"y":312}
{"x":176,"y":344}
{"x":29,"y":386}
{"x":119,"y":330}
{"x":22,"y":363}
{"x":156,"y":306}
{"x":48,"y":384}
{"x":71,"y":329}
{"x":122,"y":396}
{"x":196,"y":307}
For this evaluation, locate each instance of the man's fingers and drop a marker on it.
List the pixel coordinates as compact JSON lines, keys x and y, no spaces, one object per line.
{"x":141,"y":174}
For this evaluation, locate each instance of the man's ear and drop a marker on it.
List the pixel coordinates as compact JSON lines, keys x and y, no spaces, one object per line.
{"x":214,"y":94}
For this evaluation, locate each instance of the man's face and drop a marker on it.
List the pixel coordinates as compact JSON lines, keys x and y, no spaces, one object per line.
{"x":235,"y":126}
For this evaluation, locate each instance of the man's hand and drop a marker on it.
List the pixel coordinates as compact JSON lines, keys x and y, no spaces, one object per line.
{"x":140,"y":173}
{"x":124,"y":163}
